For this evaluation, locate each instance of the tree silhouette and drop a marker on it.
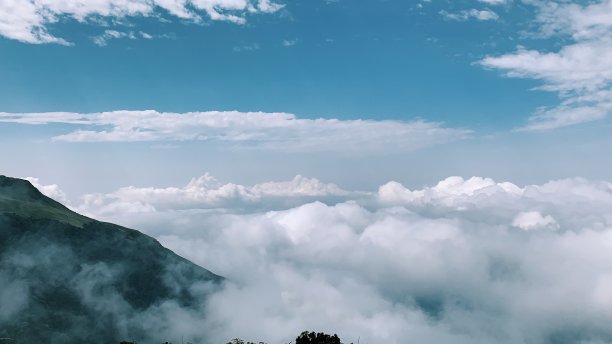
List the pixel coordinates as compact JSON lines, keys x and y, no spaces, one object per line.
{"x":317,"y":338}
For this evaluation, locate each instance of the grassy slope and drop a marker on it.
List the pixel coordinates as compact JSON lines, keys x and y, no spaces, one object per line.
{"x":35,"y":228}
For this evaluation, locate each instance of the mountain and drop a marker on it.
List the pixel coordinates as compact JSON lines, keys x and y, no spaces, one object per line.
{"x":66,"y":278}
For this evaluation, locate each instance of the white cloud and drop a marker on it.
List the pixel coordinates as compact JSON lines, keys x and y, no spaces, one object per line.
{"x":453,"y":191}
{"x":51,"y":190}
{"x":530,"y":220}
{"x":457,"y":262}
{"x":462,"y":261}
{"x":268,"y":6}
{"x":102,"y":40}
{"x":29,"y":20}
{"x":289,"y":42}
{"x":580,"y":72}
{"x":206,"y":192}
{"x":483,"y":15}
{"x":252,"y":130}
{"x":246,"y":47}
{"x":495,"y":2}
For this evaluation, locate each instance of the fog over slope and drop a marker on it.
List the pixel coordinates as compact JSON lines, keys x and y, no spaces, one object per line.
{"x":67,"y":278}
{"x":464,"y":261}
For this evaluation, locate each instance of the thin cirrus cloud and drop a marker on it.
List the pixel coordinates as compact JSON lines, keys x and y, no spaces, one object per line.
{"x":249,"y":130}
{"x":104,"y":38}
{"x":580,"y":71}
{"x":464,"y":15}
{"x":463,"y":261}
{"x":28,"y":21}
{"x":495,"y":2}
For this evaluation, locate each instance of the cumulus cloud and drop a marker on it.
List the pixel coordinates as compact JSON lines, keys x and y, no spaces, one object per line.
{"x":29,"y":20}
{"x":580,"y":71}
{"x":50,"y":190}
{"x":280,"y":131}
{"x":531,"y":220}
{"x":463,"y":261}
{"x":451,"y":191}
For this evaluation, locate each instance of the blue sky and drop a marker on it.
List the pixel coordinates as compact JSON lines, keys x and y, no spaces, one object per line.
{"x":381,"y":59}
{"x":457,"y":65}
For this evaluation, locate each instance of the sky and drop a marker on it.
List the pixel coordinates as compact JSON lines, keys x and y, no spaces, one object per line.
{"x":473,"y":132}
{"x":518,"y":89}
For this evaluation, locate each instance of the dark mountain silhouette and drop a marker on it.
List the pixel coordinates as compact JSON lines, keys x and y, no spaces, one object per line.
{"x":66,"y":278}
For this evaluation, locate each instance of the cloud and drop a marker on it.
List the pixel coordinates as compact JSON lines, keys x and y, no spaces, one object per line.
{"x":28,"y":21}
{"x":32,"y":280}
{"x":51,"y":190}
{"x":249,"y":130}
{"x":531,"y":220}
{"x":102,"y":40}
{"x":452,"y":191}
{"x":482,"y":15}
{"x":246,"y":47}
{"x":289,"y":42}
{"x":462,"y":261}
{"x":206,"y":192}
{"x":495,"y":2}
{"x":580,"y":71}
{"x":13,"y":296}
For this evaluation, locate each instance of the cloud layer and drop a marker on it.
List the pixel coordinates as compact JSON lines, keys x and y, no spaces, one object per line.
{"x":29,"y":20}
{"x":580,"y":71}
{"x":463,"y":261}
{"x":279,"y":131}
{"x":206,"y":192}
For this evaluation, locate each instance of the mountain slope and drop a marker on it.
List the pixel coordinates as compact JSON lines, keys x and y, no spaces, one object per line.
{"x":68,"y":278}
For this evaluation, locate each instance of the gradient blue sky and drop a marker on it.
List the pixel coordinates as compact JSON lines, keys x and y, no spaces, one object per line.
{"x":461,"y":65}
{"x":380,"y":59}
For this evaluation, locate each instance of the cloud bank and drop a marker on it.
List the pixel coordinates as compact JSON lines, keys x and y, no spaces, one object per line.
{"x":580,"y":71}
{"x":279,"y":131}
{"x":28,"y":21}
{"x":206,"y":192}
{"x":463,"y":261}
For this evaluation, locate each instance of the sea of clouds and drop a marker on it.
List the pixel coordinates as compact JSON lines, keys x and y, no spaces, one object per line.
{"x":463,"y":261}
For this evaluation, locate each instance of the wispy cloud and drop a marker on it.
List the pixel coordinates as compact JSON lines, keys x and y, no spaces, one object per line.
{"x":103,"y":39}
{"x":483,"y":15}
{"x":289,"y":42}
{"x":580,"y":71}
{"x":246,"y":47}
{"x":251,"y":130}
{"x":29,"y":20}
{"x":495,"y":2}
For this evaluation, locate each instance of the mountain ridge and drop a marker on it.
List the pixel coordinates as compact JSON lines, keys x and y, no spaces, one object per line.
{"x":19,"y":196}
{"x":75,"y":271}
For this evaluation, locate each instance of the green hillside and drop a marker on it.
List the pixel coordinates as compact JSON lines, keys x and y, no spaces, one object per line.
{"x":68,"y":278}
